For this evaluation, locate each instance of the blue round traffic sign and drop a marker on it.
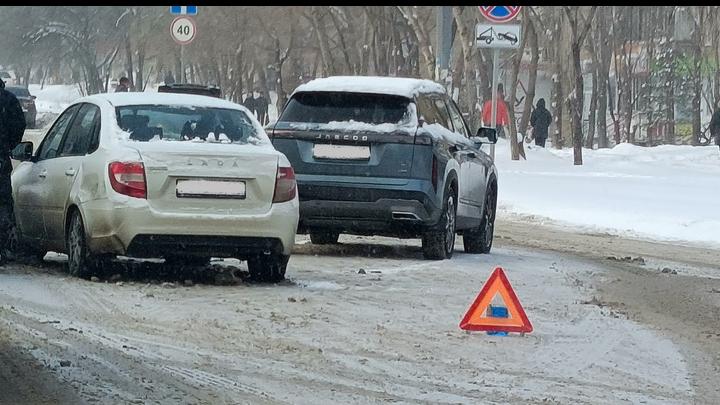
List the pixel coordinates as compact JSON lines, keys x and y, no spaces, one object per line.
{"x":500,"y":14}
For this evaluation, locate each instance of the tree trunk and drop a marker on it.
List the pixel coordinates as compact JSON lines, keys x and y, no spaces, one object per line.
{"x":604,"y":53}
{"x":129,"y":68}
{"x":467,"y":79}
{"x":516,"y":148}
{"x":577,"y":106}
{"x":532,"y":74}
{"x":140,"y":84}
{"x":423,"y":38}
{"x":558,"y":106}
{"x":590,"y":140}
{"x":322,"y":39}
{"x":601,"y":118}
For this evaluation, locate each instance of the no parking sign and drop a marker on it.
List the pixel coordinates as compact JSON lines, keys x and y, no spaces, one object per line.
{"x":500,"y":14}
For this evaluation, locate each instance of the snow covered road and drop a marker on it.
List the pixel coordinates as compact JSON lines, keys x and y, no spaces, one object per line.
{"x":336,"y":334}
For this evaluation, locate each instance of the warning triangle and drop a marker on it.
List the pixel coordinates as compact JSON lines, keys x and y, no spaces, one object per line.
{"x":476,"y":317}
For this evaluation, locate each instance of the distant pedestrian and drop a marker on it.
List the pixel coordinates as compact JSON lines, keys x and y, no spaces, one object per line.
{"x":249,"y":102}
{"x":12,"y":127}
{"x":502,"y":119}
{"x":261,"y":107}
{"x":540,"y":121}
{"x":715,"y":124}
{"x":123,"y":85}
{"x":169,"y":78}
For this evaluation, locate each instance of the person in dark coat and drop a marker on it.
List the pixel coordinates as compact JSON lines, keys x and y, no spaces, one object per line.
{"x":123,"y":85}
{"x":249,"y":102}
{"x":261,"y":107}
{"x":12,"y":128}
{"x":169,"y":78}
{"x":715,"y":124}
{"x":540,"y":121}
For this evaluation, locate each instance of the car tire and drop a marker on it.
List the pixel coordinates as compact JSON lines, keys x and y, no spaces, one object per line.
{"x":480,"y":239}
{"x":324,"y":237}
{"x":194,"y":261}
{"x":81,"y":261}
{"x":439,"y":243}
{"x":268,"y":268}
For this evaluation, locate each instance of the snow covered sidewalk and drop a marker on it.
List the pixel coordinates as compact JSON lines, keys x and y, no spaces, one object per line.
{"x":665,"y":193}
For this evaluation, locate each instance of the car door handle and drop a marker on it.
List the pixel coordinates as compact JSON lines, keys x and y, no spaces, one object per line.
{"x":43,"y":174}
{"x":70,"y":172}
{"x":472,"y":155}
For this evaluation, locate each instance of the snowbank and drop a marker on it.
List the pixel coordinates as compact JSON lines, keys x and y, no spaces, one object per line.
{"x":665,"y":192}
{"x":54,"y":98}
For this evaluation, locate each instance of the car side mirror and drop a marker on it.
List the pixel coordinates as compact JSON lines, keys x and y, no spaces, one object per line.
{"x":33,"y":97}
{"x":23,"y":152}
{"x":485,"y":135}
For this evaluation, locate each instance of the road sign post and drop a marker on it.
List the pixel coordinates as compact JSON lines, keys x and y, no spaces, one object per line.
{"x":183,"y":30}
{"x":497,"y":36}
{"x":493,"y":119}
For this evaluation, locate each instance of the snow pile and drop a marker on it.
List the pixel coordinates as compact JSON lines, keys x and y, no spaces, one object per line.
{"x":54,"y":98}
{"x":664,"y":192}
{"x":399,"y":86}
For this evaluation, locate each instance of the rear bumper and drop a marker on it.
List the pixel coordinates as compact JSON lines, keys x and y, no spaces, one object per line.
{"x":395,"y":207}
{"x":191,"y":245}
{"x":138,"y":230}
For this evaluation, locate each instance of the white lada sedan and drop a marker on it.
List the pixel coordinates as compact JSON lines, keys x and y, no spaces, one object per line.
{"x":182,"y":177}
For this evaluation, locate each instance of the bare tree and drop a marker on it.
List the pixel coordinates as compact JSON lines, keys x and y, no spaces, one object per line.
{"x":579,"y":26}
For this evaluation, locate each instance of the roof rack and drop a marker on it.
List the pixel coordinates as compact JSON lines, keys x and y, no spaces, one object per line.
{"x":189,"y":88}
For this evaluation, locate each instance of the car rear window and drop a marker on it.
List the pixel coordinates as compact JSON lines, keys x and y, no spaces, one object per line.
{"x":18,"y":91}
{"x":326,"y":107}
{"x":183,"y":123}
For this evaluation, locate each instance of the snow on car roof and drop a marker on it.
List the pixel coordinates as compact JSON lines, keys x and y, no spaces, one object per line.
{"x":399,"y":86}
{"x":144,"y":98}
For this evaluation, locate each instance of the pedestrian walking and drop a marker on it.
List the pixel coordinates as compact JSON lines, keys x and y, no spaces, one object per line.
{"x":12,"y":127}
{"x":540,"y":121}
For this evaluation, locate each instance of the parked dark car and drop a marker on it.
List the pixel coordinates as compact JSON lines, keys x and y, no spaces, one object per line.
{"x":27,"y":102}
{"x":388,"y":156}
{"x":185,"y":88}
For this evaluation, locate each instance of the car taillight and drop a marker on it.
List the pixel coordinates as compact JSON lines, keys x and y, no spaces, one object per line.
{"x":434,"y":172}
{"x":128,"y":178}
{"x":285,"y":185}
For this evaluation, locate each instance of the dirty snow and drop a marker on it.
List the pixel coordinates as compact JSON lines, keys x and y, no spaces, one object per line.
{"x":400,"y":86}
{"x":335,"y":335}
{"x":664,"y":192}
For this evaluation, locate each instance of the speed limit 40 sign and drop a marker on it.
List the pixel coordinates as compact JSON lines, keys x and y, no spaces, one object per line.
{"x":183,"y":30}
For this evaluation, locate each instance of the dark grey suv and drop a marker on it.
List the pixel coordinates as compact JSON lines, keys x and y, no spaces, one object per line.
{"x":388,"y":156}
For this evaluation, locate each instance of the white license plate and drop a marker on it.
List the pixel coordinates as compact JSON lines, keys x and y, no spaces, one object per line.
{"x":210,"y":189}
{"x":341,"y":152}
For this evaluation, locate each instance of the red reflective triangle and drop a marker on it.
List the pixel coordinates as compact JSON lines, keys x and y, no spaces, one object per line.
{"x":476,"y":318}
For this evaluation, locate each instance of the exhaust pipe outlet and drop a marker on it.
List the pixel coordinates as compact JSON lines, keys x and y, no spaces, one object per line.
{"x":405,"y":216}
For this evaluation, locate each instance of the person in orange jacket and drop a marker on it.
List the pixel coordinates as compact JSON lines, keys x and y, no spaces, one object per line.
{"x":502,"y":119}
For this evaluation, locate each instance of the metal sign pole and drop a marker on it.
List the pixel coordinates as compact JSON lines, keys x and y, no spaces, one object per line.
{"x":182,"y":65}
{"x":493,"y":119}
